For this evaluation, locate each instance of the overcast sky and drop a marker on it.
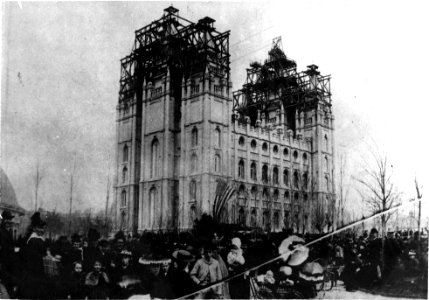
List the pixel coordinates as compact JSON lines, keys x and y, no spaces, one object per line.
{"x":60,"y":73}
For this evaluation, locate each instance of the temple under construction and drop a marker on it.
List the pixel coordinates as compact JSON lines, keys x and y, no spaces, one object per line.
{"x":181,"y":132}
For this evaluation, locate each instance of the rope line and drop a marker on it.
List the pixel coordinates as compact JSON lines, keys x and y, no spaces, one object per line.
{"x":229,"y":278}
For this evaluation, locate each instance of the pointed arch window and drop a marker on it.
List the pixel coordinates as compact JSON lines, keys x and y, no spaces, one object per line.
{"x":276,"y":195}
{"x":286,"y":177}
{"x":218,"y":137}
{"x":265,"y":173}
{"x":276,"y":220}
{"x":241,"y":216}
{"x":155,"y":158}
{"x":253,"y":171}
{"x":305,"y":180}
{"x":193,"y":190}
{"x":276,"y":175}
{"x":125,"y":154}
{"x":194,"y":139}
{"x":152,"y":202}
{"x":123,"y":198}
{"x":253,"y":218}
{"x":326,"y":164}
{"x":217,"y":163}
{"x":124,"y":174}
{"x":192,"y":215}
{"x":241,"y":169}
{"x":295,"y":179}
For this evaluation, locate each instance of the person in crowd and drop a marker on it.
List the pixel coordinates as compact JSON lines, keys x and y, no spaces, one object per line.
{"x":374,"y":257}
{"x":162,"y":286}
{"x":90,"y":251}
{"x":205,"y":272}
{"x":97,"y":282}
{"x":8,"y":258}
{"x":33,"y":283}
{"x":75,"y":253}
{"x":223,"y":268}
{"x":104,"y":256}
{"x":238,"y":287}
{"x":74,"y":282}
{"x":124,"y":276}
{"x":182,"y":284}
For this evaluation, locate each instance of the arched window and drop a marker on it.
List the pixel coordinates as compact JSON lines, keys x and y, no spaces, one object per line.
{"x":241,"y":216}
{"x":265,"y":173}
{"x":286,"y":196}
{"x":241,"y":169}
{"x":217,"y":163}
{"x":253,"y":218}
{"x":276,"y":220}
{"x":194,"y":162}
{"x":194,"y":137}
{"x":192,"y":215}
{"x":192,"y":190}
{"x":275,"y":149}
{"x":264,"y":147}
{"x":265,"y":194}
{"x":241,"y":141}
{"x":326,"y":143}
{"x":304,"y":158}
{"x":123,"y":198}
{"x":305,"y":180}
{"x":152,"y":201}
{"x":296,"y":197}
{"x":254,"y":192}
{"x":295,"y":179}
{"x":326,"y":164}
{"x":242,"y":190}
{"x":218,"y":139}
{"x":295,"y":155}
{"x":286,"y":219}
{"x":253,"y":144}
{"x":155,"y":159}
{"x":276,"y":195}
{"x":327,"y":183}
{"x":253,"y":171}
{"x":266,"y":220}
{"x":285,"y":152}
{"x":125,"y":154}
{"x":276,"y":175}
{"x":124,"y":174}
{"x":286,"y":177}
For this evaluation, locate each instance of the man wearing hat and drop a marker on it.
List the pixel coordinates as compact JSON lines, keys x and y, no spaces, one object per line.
{"x":7,"y":254}
{"x":182,"y":284}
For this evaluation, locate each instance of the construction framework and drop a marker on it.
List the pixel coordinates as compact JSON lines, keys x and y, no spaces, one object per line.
{"x":277,"y":81}
{"x":175,"y":43}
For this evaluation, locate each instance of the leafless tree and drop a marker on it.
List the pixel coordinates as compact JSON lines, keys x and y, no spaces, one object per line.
{"x":343,"y":190}
{"x":379,"y":192}
{"x":37,"y":180}
{"x":419,"y":197}
{"x":72,"y":183}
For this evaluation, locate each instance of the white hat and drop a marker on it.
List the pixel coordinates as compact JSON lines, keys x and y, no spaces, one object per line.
{"x":236,"y":241}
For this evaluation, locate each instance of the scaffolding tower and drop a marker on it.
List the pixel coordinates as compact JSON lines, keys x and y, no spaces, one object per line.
{"x":175,"y":44}
{"x":277,"y":83}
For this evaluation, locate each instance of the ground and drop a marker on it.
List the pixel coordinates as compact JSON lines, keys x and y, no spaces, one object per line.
{"x":339,"y":292}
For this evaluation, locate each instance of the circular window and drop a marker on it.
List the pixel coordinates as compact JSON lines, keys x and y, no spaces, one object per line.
{"x":295,"y":154}
{"x":253,"y":144}
{"x":264,"y":147}
{"x":285,"y":152}
{"x":276,"y":149}
{"x":241,"y":141}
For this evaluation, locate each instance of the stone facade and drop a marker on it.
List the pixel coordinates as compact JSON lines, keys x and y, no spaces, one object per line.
{"x":178,"y":137}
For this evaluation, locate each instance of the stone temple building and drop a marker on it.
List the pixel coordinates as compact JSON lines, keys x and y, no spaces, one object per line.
{"x":181,"y":130}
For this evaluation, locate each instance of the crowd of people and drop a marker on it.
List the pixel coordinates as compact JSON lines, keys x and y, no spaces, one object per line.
{"x":173,"y":265}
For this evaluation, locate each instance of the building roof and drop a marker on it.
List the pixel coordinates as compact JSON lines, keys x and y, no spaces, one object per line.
{"x":7,"y":195}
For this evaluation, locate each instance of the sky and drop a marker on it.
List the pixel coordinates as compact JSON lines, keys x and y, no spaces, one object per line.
{"x":61,"y":67}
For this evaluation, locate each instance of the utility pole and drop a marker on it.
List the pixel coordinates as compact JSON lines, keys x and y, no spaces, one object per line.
{"x":419,"y":196}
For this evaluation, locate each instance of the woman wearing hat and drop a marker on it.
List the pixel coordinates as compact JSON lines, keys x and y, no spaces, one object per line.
{"x":33,"y":283}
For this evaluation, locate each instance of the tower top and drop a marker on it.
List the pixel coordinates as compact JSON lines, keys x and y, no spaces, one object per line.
{"x":171,"y":10}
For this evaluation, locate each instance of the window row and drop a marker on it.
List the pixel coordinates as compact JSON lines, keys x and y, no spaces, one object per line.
{"x":254,"y":143}
{"x":298,"y":181}
{"x":217,"y":137}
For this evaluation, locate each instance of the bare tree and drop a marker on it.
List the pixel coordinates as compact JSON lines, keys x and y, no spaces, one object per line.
{"x":343,"y":189}
{"x":72,"y":174}
{"x":379,"y":192}
{"x":419,"y":197}
{"x":38,"y":179}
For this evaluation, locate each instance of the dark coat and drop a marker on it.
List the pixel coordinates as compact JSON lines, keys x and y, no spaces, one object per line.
{"x":162,"y":286}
